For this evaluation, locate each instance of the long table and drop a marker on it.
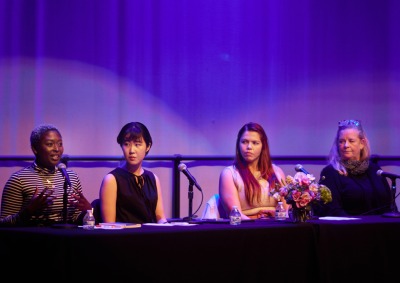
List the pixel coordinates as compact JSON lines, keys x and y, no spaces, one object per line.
{"x":365,"y":250}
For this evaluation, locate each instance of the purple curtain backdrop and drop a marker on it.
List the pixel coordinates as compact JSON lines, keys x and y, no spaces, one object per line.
{"x":195,"y":71}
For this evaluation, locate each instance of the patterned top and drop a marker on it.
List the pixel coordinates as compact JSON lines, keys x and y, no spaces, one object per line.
{"x":267,"y":201}
{"x":21,"y":186}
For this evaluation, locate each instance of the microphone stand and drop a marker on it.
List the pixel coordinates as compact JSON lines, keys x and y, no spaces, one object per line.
{"x":190,"y":196}
{"x":394,"y":212}
{"x":64,"y":223}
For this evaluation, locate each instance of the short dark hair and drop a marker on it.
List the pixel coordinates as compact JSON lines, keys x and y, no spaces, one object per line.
{"x":133,"y":131}
{"x":39,"y":131}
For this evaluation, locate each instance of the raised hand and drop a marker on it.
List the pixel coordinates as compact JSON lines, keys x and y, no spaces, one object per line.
{"x":80,"y":202}
{"x":39,"y":201}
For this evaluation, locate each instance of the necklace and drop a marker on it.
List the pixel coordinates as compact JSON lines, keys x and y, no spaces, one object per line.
{"x":46,"y":176}
{"x":47,"y":180}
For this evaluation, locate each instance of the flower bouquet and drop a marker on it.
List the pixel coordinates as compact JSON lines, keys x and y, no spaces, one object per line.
{"x":300,"y":192}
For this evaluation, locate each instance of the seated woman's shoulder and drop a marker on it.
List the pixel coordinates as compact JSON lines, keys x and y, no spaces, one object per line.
{"x":229,"y":168}
{"x":228,"y":171}
{"x":277,"y":169}
{"x":374,"y":166}
{"x":275,"y":166}
{"x":328,"y":168}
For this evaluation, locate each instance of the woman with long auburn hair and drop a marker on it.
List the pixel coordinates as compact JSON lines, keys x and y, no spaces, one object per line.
{"x":247,"y":182}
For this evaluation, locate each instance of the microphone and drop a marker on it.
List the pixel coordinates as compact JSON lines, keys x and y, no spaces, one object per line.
{"x":386,"y":174}
{"x":300,"y":168}
{"x":182,"y":167}
{"x":63,"y":168}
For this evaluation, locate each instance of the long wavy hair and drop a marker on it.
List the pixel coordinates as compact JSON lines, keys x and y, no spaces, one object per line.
{"x":251,"y":186}
{"x":334,"y":154}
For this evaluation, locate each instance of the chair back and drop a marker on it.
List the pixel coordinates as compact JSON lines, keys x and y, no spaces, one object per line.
{"x":213,"y":209}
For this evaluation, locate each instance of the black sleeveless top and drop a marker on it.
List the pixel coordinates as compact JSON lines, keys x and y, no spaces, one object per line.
{"x":136,"y":196}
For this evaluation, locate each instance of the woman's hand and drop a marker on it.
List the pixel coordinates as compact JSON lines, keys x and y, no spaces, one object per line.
{"x":80,"y":202}
{"x":38,"y":202}
{"x":266,"y":213}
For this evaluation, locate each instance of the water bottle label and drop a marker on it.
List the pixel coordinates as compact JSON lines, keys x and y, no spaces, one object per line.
{"x":89,"y":225}
{"x":235,"y":220}
{"x":280,"y":215}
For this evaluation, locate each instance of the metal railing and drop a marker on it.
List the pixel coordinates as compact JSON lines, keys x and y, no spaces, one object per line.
{"x":177,"y":158}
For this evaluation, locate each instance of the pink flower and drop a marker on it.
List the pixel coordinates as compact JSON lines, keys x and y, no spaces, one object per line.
{"x":290,"y":180}
{"x":296,"y":195}
{"x":301,"y":190}
{"x":304,"y":200}
{"x":313,"y":187}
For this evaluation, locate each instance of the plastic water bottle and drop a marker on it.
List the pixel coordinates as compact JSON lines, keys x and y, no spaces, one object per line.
{"x":280,"y":212}
{"x":88,"y":220}
{"x":235,"y":217}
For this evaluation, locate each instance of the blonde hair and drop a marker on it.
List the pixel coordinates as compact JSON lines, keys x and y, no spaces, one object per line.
{"x":334,"y":154}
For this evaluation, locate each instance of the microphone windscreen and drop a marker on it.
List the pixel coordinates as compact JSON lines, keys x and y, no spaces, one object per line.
{"x":379,"y":172}
{"x":298,"y":167}
{"x":182,"y":166}
{"x":61,"y":166}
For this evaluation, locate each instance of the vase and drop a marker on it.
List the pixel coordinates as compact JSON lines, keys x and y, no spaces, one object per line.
{"x":300,"y":215}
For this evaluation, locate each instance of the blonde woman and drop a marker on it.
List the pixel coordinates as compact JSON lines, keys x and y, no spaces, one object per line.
{"x":352,"y":177}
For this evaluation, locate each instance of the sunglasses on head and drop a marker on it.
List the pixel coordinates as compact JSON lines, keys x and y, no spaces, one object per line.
{"x":345,"y":123}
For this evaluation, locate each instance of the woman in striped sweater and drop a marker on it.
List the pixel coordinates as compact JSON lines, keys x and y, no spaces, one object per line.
{"x":34,"y":195}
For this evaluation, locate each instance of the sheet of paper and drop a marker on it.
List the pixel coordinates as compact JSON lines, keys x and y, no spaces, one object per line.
{"x":170,"y":224}
{"x":338,"y":218}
